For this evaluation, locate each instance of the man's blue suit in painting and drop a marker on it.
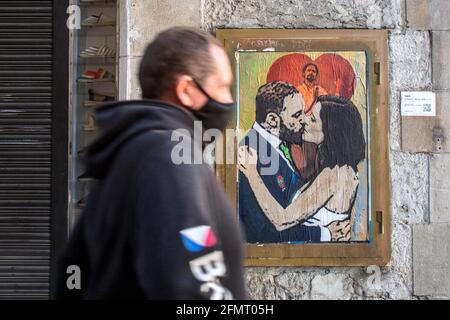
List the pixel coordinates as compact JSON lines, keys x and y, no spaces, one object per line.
{"x":283,"y":185}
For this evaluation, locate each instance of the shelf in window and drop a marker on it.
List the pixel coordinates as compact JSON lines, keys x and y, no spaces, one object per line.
{"x":90,"y":129}
{"x":96,"y":57}
{"x":99,"y":3}
{"x":112,"y":24}
{"x":84,"y":178}
{"x":91,"y":126}
{"x":96,"y":80}
{"x":93,"y":104}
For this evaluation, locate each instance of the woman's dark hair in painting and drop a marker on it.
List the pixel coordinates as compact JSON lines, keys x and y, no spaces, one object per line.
{"x":270,"y":98}
{"x":344,"y":142}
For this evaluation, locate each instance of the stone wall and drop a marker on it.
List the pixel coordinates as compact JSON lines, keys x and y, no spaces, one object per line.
{"x":418,"y":60}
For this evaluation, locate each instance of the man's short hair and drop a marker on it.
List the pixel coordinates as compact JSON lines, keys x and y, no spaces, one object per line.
{"x":310,"y":64}
{"x":270,"y":98}
{"x":175,"y":51}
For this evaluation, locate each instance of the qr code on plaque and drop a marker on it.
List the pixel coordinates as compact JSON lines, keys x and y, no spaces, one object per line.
{"x":426,"y":107}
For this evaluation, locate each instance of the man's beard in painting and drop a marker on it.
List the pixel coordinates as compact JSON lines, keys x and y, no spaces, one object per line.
{"x":311,"y":77}
{"x":287,"y":135}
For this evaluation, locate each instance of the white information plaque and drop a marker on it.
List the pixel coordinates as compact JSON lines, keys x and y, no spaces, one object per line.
{"x":418,"y":103}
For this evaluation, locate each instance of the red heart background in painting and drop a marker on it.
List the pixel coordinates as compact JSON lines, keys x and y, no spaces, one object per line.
{"x":336,"y":74}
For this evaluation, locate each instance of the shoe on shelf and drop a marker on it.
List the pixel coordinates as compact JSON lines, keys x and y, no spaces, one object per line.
{"x":98,"y":20}
{"x":89,"y":75}
{"x":91,"y":125}
{"x":93,"y":104}
{"x":98,"y":96}
{"x":99,"y":75}
{"x":97,"y":52}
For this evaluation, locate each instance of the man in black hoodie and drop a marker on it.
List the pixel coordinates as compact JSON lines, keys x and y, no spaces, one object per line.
{"x":151,"y":228}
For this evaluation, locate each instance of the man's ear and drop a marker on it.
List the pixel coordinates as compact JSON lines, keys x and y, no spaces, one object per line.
{"x":273,"y":120}
{"x":184,"y":91}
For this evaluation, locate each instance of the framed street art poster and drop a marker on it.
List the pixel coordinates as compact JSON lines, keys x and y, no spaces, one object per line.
{"x":310,"y":176}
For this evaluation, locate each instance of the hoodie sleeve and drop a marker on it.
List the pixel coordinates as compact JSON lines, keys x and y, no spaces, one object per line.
{"x":178,"y":253}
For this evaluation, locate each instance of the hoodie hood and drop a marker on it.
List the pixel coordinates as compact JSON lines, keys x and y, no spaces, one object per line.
{"x":121,"y":121}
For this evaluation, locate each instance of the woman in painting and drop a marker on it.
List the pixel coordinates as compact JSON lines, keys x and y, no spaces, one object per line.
{"x":328,"y":198}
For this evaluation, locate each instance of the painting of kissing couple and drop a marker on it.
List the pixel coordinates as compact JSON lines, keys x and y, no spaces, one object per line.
{"x":307,"y":112}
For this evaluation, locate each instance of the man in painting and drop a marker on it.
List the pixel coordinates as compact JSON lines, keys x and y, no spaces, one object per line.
{"x":304,"y":155}
{"x":327,"y":200}
{"x":309,"y":89}
{"x":279,"y":108}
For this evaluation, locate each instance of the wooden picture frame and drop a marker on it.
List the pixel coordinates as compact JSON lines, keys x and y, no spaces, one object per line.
{"x":375,"y":251}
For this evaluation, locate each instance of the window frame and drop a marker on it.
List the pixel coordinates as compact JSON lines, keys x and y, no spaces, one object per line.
{"x":375,"y":44}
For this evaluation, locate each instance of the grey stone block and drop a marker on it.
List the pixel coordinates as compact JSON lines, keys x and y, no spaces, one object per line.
{"x":410,"y":68}
{"x":134,"y":88}
{"x":409,"y":60}
{"x":440,"y":188}
{"x":429,"y":134}
{"x":417,"y":14}
{"x":147,"y":18}
{"x":428,"y":14}
{"x":441,"y":59}
{"x":332,"y":287}
{"x":431,"y":260}
{"x":409,"y":190}
{"x":371,"y":14}
{"x":440,"y":11}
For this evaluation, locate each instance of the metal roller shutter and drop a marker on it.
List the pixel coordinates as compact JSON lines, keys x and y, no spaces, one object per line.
{"x":25,"y":148}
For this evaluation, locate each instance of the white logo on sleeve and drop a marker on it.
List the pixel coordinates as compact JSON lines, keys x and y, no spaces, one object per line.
{"x":209,"y":268}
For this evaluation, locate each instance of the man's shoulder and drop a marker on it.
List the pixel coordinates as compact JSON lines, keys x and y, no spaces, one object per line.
{"x":163,"y":150}
{"x":153,"y":145}
{"x":150,"y":141}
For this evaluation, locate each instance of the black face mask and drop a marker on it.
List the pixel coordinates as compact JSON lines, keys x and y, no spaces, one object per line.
{"x":214,"y":114}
